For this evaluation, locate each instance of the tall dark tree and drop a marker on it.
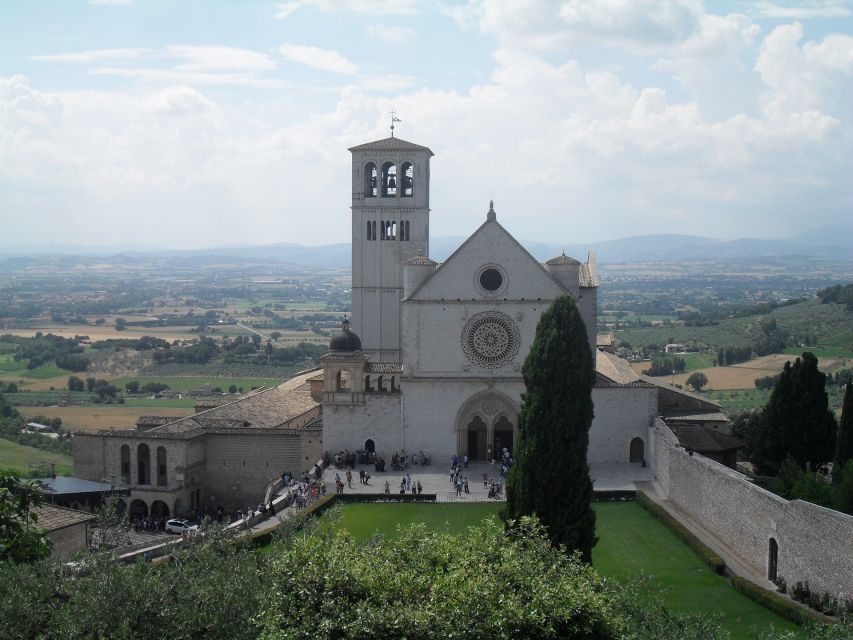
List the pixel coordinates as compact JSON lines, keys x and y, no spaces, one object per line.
{"x":550,"y":477}
{"x":844,"y":441}
{"x":796,"y":421}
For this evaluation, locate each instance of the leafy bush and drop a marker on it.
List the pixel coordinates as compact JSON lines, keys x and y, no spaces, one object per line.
{"x":779,"y":605}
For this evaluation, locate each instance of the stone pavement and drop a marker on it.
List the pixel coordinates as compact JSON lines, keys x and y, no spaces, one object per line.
{"x":436,"y":479}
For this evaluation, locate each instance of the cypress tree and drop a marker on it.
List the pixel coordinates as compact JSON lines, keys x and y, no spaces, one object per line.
{"x":796,"y":421}
{"x":844,"y":440}
{"x":550,"y":477}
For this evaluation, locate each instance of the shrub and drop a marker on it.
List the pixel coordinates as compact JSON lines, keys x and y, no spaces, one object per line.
{"x":779,"y":605}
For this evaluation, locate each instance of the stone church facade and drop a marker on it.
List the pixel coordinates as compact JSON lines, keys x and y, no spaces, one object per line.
{"x":432,"y":361}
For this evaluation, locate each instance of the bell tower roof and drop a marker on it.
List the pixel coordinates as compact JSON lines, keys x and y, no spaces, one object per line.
{"x":391,"y":144}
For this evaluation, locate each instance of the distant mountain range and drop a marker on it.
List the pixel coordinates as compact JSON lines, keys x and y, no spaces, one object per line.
{"x":830,"y":243}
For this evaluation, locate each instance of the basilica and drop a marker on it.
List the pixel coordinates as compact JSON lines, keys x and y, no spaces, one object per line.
{"x":432,"y":358}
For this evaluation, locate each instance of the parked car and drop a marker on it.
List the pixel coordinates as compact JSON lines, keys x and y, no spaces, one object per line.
{"x":179,"y":526}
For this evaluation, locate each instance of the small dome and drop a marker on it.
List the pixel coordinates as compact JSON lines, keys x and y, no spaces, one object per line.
{"x":562,"y":259}
{"x":347,"y":341}
{"x":420,"y":261}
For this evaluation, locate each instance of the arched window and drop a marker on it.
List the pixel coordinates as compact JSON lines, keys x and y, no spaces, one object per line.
{"x":773,"y":560}
{"x":125,"y":464}
{"x":389,"y":180}
{"x":143,"y":464}
{"x":369,"y":446}
{"x":369,"y":230}
{"x":636,"y":452}
{"x":162,"y":478}
{"x":371,"y":181}
{"x":408,"y":172}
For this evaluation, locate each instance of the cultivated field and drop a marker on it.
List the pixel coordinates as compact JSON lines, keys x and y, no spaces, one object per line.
{"x":93,"y":417}
{"x":743,"y":375}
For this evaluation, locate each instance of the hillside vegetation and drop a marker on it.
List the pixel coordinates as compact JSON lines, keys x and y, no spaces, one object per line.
{"x":826,"y":327}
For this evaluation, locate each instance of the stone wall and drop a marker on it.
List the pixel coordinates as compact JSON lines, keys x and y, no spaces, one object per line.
{"x":814,"y":543}
{"x":621,"y":414}
{"x":67,"y":541}
{"x":239,"y":467}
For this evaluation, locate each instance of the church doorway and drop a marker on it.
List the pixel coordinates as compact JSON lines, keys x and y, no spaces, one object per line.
{"x":773,"y":560}
{"x":503,"y":436}
{"x":476,"y":439}
{"x":637,"y":450}
{"x":369,"y":446}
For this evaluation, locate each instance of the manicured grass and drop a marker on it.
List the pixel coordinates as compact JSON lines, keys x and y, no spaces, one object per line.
{"x":364,"y":520}
{"x":632,"y":543}
{"x":17,"y":458}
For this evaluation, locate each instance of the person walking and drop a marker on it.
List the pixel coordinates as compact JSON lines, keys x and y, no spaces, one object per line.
{"x":420,"y":487}
{"x":349,"y":478}
{"x":387,"y":488}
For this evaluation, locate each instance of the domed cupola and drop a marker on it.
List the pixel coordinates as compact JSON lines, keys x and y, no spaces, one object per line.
{"x":347,"y":341}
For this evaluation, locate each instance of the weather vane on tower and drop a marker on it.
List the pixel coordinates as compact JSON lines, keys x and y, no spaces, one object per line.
{"x":394,"y":119}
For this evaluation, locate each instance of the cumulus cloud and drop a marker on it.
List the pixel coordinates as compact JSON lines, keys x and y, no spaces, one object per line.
{"x":391,"y":35}
{"x":324,"y":59}
{"x":180,"y":100}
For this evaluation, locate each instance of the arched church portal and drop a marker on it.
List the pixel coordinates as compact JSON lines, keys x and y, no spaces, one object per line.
{"x":485,"y":424}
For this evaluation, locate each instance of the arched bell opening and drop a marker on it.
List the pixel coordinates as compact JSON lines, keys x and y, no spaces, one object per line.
{"x":408,"y":175}
{"x":389,"y":180}
{"x":371,"y":181}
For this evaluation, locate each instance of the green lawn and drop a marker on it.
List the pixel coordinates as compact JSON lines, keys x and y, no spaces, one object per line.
{"x":17,"y":458}
{"x":364,"y":520}
{"x":9,"y":366}
{"x":632,"y":543}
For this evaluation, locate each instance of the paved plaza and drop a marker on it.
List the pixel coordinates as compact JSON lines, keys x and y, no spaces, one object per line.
{"x":435,"y":478}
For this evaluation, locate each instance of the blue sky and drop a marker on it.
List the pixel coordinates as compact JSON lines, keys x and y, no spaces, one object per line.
{"x":191,"y":124}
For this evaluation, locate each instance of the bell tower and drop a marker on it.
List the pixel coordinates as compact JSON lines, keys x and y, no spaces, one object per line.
{"x":390,"y":224}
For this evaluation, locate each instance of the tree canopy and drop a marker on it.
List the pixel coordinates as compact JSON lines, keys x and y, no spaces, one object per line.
{"x":20,"y":539}
{"x":796,"y":422}
{"x":844,"y":440}
{"x":550,"y":477}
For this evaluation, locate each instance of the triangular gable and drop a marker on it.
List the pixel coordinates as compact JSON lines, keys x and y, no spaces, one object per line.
{"x":490,"y":244}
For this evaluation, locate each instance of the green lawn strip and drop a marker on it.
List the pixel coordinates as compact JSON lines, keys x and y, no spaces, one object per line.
{"x":17,"y":458}
{"x":44,"y":371}
{"x":187,"y":383}
{"x":694,"y":361}
{"x":364,"y":520}
{"x":633,"y":543}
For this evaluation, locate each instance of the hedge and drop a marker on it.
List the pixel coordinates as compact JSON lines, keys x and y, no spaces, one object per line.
{"x":778,"y":604}
{"x":703,"y":551}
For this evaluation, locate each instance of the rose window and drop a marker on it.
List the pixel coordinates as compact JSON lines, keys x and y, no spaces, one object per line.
{"x":490,"y":339}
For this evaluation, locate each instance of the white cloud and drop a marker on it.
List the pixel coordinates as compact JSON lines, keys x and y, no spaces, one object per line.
{"x":177,"y":64}
{"x":324,"y":59}
{"x":180,"y":100}
{"x":96,"y":55}
{"x":391,"y":35}
{"x":25,"y":110}
{"x":805,"y":11}
{"x":365,"y":7}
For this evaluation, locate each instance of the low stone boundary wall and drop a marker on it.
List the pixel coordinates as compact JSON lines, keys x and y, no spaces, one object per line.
{"x":814,"y":544}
